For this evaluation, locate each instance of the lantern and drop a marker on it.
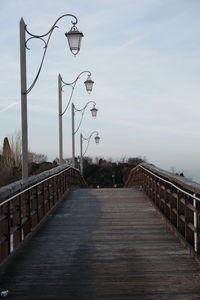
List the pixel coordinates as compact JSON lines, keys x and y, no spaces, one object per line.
{"x":97,"y":138}
{"x":74,"y":39}
{"x":94,"y":111}
{"x":89,"y":84}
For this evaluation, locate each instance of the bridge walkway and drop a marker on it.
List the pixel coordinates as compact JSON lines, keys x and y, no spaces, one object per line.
{"x":102,"y":244}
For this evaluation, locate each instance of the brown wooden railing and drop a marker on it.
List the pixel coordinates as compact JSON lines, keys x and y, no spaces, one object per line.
{"x":176,"y":197}
{"x":24,"y":204}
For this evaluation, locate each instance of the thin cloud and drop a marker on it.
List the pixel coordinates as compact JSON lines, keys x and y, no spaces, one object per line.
{"x":8,"y":107}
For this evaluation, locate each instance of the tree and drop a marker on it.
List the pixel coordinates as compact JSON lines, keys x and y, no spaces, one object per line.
{"x":6,"y":163}
{"x":106,"y":173}
{"x":36,"y":157}
{"x":11,"y":157}
{"x":7,"y":155}
{"x":16,"y":148}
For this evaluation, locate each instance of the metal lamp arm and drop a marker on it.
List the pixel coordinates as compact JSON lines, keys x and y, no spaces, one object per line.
{"x":79,"y":125}
{"x":88,"y":141}
{"x":72,"y":84}
{"x":84,"y":108}
{"x":70,"y":98}
{"x":49,"y":33}
{"x":43,"y":35}
{"x":82,"y":114}
{"x":86,"y":148}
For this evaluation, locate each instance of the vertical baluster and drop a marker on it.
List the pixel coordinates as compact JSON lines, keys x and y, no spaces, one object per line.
{"x":195,"y":224}
{"x":29,"y":210}
{"x":20,"y":218}
{"x":53,"y":190}
{"x":42,"y":187}
{"x":186,"y":215}
{"x":59,"y":187}
{"x":48,"y":194}
{"x":177,"y":209}
{"x":170,"y":205}
{"x":198,"y":225}
{"x":159,"y":193}
{"x":9,"y":227}
{"x":37,"y":204}
{"x":64,"y":182}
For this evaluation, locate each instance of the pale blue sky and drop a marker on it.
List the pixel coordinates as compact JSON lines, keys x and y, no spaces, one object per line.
{"x":144,"y":56}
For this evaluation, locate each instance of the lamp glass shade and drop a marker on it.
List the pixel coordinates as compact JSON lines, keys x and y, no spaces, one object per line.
{"x":74,"y":39}
{"x":94,"y":111}
{"x":89,"y":84}
{"x":97,"y":138}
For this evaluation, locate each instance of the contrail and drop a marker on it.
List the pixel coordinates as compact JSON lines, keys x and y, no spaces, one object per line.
{"x":9,"y":106}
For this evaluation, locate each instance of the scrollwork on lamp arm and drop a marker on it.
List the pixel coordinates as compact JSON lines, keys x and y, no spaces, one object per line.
{"x":97,"y":138}
{"x":46,"y":42}
{"x":88,"y":83}
{"x":82,"y":110}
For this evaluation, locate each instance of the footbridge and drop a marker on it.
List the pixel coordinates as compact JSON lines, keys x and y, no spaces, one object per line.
{"x":61,"y":240}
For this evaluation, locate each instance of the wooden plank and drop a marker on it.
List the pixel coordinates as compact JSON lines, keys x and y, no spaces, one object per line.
{"x":103,"y":244}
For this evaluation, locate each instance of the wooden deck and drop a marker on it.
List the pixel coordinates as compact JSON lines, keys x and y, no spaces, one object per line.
{"x":103,"y":244}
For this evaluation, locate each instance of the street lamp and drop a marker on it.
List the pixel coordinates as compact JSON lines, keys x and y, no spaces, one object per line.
{"x":89,"y":84}
{"x":74,"y":109}
{"x":96,"y":138}
{"x":74,"y":39}
{"x":61,"y":83}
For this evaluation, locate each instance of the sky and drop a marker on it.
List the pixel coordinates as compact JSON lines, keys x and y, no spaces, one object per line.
{"x":144,"y":56}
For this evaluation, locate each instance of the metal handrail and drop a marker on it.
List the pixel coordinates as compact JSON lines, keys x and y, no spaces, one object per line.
{"x":172,"y":184}
{"x":29,"y":188}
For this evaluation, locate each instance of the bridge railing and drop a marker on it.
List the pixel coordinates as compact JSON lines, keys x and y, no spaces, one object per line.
{"x":176,"y":197}
{"x":24,"y":204}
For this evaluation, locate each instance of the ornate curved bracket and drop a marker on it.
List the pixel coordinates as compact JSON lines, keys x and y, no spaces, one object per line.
{"x":75,"y":81}
{"x":46,"y":42}
{"x":40,"y":38}
{"x":82,"y":114}
{"x":84,"y":108}
{"x":72,"y":84}
{"x":88,"y":141}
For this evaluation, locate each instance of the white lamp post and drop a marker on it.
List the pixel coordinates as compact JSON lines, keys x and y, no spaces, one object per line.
{"x":96,"y":138}
{"x":61,"y":83}
{"x":74,"y":39}
{"x":74,"y":109}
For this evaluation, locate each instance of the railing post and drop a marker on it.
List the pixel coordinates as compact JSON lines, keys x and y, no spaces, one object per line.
{"x":20,"y":218}
{"x":189,"y":221}
{"x":195,"y":225}
{"x":179,"y":213}
{"x":198,"y":226}
{"x":9,"y":227}
{"x":37,"y":205}
{"x":169,"y":190}
{"x":173,"y":206}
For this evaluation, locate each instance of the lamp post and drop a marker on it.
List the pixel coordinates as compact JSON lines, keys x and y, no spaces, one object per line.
{"x":74,"y":109}
{"x":74,"y":39}
{"x":61,"y":83}
{"x":96,"y":138}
